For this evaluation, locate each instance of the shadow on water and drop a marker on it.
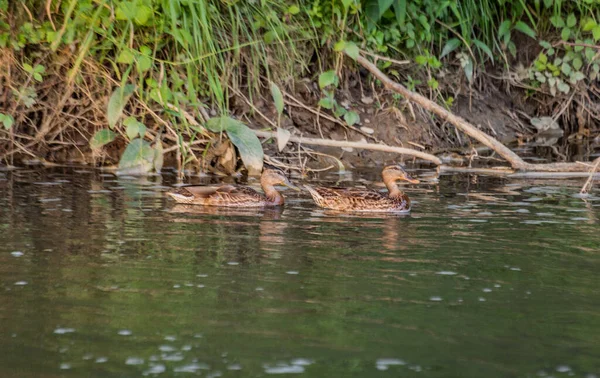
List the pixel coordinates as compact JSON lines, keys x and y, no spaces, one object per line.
{"x":104,"y":276}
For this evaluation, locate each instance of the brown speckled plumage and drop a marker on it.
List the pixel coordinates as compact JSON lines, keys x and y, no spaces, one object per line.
{"x":353,"y":199}
{"x":235,"y":196}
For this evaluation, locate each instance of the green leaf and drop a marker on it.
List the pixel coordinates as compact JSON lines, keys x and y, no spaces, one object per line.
{"x":468,"y":69}
{"x":339,"y":46}
{"x":562,"y":86}
{"x":7,"y":120}
{"x":117,"y":102}
{"x":283,"y":136}
{"x":27,"y":67}
{"x":277,"y":98}
{"x":566,"y":69}
{"x":293,"y":10}
{"x":433,"y":84}
{"x":102,"y":137}
{"x":571,"y":20}
{"x":37,"y":77}
{"x":545,"y":44}
{"x":589,"y":24}
{"x":126,"y":10}
{"x":565,"y":34}
{"x":557,"y":21}
{"x":504,"y":28}
{"x":577,"y":63}
{"x":326,"y":102}
{"x":144,"y":13}
{"x":125,"y":57}
{"x":243,"y":138}
{"x":525,"y":29}
{"x":543,"y":58}
{"x":134,"y":128}
{"x":138,"y":158}
{"x":400,"y":11}
{"x":596,"y":33}
{"x":351,"y":50}
{"x":144,"y":63}
{"x":327,"y":78}
{"x":484,"y":48}
{"x":450,"y":46}
{"x":576,"y":77}
{"x":421,"y":60}
{"x":351,"y":118}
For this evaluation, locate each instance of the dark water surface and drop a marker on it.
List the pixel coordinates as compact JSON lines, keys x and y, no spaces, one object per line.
{"x":105,"y":277}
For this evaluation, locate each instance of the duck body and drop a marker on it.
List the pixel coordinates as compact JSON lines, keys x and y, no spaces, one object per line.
{"x":352,"y":199}
{"x":235,"y":196}
{"x":349,"y":199}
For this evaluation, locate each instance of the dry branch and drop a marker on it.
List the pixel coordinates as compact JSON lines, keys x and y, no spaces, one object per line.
{"x":515,"y":161}
{"x":363,"y":145}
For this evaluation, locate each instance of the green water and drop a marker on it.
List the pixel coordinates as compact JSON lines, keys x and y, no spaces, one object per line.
{"x":104,"y":277}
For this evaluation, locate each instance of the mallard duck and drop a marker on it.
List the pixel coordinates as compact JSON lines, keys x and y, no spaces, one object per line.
{"x":236,"y":196}
{"x":352,"y":199}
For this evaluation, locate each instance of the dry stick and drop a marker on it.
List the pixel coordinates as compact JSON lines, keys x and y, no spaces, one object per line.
{"x":515,"y":161}
{"x":363,"y":145}
{"x":588,"y":184}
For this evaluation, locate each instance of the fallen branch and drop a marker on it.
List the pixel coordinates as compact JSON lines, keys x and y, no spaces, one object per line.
{"x":363,"y":145}
{"x":515,"y":161}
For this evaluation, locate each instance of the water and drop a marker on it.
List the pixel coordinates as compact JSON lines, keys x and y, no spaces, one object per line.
{"x":105,"y":277}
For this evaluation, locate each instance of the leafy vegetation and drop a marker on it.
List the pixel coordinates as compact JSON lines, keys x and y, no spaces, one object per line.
{"x":163,"y":63}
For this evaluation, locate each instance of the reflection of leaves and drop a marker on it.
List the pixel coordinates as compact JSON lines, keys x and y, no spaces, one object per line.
{"x":117,"y":102}
{"x":137,"y":158}
{"x":243,"y":138}
{"x":102,"y":137}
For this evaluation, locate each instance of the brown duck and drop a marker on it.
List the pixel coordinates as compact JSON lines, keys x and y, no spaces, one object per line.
{"x":236,"y":196}
{"x":352,"y":199}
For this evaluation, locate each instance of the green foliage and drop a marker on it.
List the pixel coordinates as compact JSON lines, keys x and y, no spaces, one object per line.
{"x":243,"y":138}
{"x":7,"y":120}
{"x":117,"y":103}
{"x":101,"y":138}
{"x":138,"y":158}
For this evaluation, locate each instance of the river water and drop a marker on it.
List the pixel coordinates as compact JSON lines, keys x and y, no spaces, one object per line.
{"x":488,"y":277}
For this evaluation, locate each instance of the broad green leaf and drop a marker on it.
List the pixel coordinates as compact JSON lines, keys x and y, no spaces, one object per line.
{"x":545,"y":44}
{"x":468,"y":68}
{"x":37,"y":77}
{"x":117,"y":102}
{"x":144,"y":13}
{"x":450,"y":46}
{"x":504,"y":28}
{"x":433,"y":84}
{"x":577,"y":76}
{"x":102,"y":137}
{"x":134,"y":128}
{"x":351,"y":118}
{"x":277,"y":98}
{"x":27,"y":67}
{"x":339,"y":46}
{"x":326,"y":102}
{"x":557,"y":21}
{"x":283,"y":136}
{"x":327,"y":78}
{"x":565,"y":34}
{"x":589,"y":24}
{"x":7,"y":120}
{"x":351,"y":50}
{"x":376,"y":8}
{"x":577,"y":63}
{"x":126,"y":10}
{"x":144,"y":63}
{"x":138,"y":158}
{"x":596,"y":33}
{"x":125,"y":57}
{"x":563,"y":87}
{"x":571,"y":20}
{"x":293,"y":10}
{"x":566,"y":69}
{"x":484,"y":48}
{"x":525,"y":29}
{"x":400,"y":11}
{"x":421,"y":60}
{"x":243,"y":138}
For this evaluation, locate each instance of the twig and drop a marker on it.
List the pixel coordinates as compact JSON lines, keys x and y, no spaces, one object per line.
{"x":363,"y":145}
{"x":588,"y":184}
{"x":379,"y":57}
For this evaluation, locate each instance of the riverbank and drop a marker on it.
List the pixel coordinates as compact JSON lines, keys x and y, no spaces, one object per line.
{"x":117,"y":89}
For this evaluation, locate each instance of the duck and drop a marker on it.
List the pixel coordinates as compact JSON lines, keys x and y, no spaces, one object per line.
{"x":236,"y":196}
{"x":355,"y":199}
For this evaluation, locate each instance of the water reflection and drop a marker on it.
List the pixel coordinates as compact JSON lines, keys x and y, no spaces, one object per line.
{"x":104,"y":276}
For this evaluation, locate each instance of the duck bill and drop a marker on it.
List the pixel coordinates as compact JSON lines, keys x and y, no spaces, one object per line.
{"x":411,"y":180}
